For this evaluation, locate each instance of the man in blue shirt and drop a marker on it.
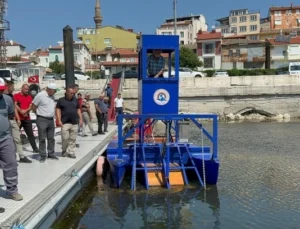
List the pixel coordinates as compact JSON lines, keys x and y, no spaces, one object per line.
{"x":156,"y":64}
{"x":109,"y":92}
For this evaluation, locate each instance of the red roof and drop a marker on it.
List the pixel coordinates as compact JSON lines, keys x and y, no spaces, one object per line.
{"x":121,"y":51}
{"x":12,"y":43}
{"x":209,"y":36}
{"x":278,"y":8}
{"x":293,"y":40}
{"x":21,"y":59}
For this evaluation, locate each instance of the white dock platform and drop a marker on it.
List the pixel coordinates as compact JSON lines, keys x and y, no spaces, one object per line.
{"x":45,"y":186}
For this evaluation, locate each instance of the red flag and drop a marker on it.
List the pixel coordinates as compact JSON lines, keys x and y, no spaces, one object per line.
{"x":34,"y":79}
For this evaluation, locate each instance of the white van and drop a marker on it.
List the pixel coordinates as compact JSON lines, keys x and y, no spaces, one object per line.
{"x":8,"y":74}
{"x":294,"y":68}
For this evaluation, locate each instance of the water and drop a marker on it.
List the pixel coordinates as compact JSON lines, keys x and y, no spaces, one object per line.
{"x":259,"y":187}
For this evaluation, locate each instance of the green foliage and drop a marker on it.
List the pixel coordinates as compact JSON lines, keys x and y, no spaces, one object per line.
{"x":16,"y":58}
{"x":209,"y":73}
{"x":188,"y":58}
{"x":251,"y":72}
{"x":57,"y":67}
{"x":95,"y":75}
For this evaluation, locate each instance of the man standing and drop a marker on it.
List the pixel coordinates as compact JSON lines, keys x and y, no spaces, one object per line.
{"x":44,"y":107}
{"x":156,"y":64}
{"x":15,"y":123}
{"x":108,"y":92}
{"x":101,"y":111}
{"x":119,"y":104}
{"x":87,"y":116}
{"x":8,"y":159}
{"x":23,"y":103}
{"x":69,"y":116}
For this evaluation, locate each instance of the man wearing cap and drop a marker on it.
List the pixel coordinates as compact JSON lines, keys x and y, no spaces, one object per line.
{"x":23,"y":103}
{"x":8,"y":158}
{"x":44,"y":107}
{"x":15,"y":122}
{"x":109,"y":92}
{"x":156,"y":64}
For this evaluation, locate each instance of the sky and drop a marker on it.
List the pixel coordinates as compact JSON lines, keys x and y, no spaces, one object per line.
{"x":39,"y":23}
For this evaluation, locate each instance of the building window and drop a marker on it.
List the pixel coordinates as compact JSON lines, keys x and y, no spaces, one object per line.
{"x":254,"y":37}
{"x":56,"y":58}
{"x":87,"y":41}
{"x":238,"y":52}
{"x":75,"y":57}
{"x":225,"y":30}
{"x":253,"y":27}
{"x":209,"y":49}
{"x":234,"y":20}
{"x":243,"y":29}
{"x":230,"y":53}
{"x":107,"y":41}
{"x":289,"y":12}
{"x":243,"y":19}
{"x":182,"y":34}
{"x":208,"y":62}
{"x":234,"y":30}
{"x":46,"y":59}
{"x":253,"y":18}
{"x":277,"y":22}
{"x":277,"y":13}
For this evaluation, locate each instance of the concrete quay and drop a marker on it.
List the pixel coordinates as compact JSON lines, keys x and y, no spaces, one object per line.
{"x":48,"y":188}
{"x":274,"y":94}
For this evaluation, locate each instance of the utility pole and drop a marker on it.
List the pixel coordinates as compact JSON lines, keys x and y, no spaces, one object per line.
{"x":175,"y":16}
{"x":4,"y":25}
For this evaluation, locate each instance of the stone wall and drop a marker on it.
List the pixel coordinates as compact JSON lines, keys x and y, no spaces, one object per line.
{"x":222,"y":95}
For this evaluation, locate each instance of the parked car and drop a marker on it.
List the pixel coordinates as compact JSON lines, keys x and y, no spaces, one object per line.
{"x":78,"y":76}
{"x":185,"y":72}
{"x":51,"y":76}
{"x":220,"y":73}
{"x":130,"y":74}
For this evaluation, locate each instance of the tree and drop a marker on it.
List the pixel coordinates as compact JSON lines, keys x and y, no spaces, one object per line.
{"x":188,"y":58}
{"x":16,"y":58}
{"x":57,"y":67}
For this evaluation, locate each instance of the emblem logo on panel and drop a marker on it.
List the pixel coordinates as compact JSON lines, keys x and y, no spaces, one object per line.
{"x":161,"y":97}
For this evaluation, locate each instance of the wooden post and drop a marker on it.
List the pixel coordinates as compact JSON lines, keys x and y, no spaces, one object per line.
{"x":69,"y":56}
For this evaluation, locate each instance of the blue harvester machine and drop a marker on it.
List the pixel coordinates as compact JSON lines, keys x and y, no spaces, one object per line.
{"x":166,"y":160}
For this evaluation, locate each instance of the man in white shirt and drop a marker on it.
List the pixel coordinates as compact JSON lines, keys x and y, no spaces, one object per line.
{"x":119,"y":104}
{"x":44,"y":107}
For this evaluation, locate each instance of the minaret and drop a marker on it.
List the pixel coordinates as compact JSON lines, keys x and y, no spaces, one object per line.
{"x":98,"y":17}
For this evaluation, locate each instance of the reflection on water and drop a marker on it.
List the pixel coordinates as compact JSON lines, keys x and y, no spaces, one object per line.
{"x":180,"y":207}
{"x":259,"y":187}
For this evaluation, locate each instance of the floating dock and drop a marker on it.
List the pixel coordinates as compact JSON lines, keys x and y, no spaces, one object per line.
{"x":49,"y":187}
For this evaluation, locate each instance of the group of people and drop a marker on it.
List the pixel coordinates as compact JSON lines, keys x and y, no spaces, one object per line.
{"x":72,"y":113}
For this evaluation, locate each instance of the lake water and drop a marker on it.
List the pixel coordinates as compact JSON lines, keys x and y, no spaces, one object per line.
{"x":259,"y":187}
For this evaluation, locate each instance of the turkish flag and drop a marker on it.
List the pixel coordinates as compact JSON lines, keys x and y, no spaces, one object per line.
{"x":34,"y":79}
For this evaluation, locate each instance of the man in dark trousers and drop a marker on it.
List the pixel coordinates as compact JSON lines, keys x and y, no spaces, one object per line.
{"x":109,"y":92}
{"x":44,"y":107}
{"x":23,"y":103}
{"x":101,"y":112}
{"x":8,"y":158}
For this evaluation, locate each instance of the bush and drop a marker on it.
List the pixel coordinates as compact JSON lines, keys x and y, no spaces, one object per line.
{"x":251,"y":72}
{"x":209,"y":73}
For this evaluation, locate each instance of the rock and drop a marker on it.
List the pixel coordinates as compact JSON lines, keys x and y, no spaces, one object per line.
{"x":239,"y":117}
{"x":230,"y":116}
{"x":286,"y":116}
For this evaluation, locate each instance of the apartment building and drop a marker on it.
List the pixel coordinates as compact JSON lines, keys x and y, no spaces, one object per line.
{"x":284,"y":17}
{"x":283,"y":49}
{"x":209,"y":49}
{"x":187,"y":28}
{"x":243,"y":54}
{"x":241,"y":22}
{"x":14,"y":49}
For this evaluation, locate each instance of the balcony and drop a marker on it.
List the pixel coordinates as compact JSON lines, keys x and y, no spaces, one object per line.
{"x":208,"y":51}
